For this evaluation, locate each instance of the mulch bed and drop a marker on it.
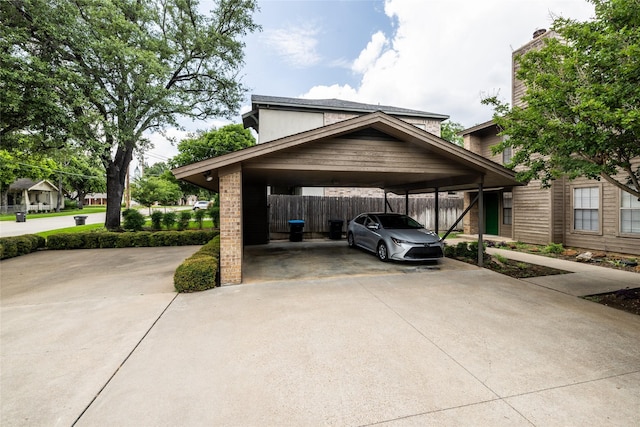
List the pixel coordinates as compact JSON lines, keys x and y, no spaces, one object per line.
{"x":623,"y":299}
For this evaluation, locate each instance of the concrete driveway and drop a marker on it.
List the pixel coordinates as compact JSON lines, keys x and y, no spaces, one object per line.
{"x":107,"y":342}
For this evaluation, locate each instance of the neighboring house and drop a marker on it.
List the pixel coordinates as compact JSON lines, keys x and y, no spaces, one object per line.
{"x":275,"y":117}
{"x":92,"y":199}
{"x":580,"y":213}
{"x":26,"y":195}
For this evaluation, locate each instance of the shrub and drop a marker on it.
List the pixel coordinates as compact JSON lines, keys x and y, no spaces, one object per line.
{"x":184,"y":219}
{"x":91,"y":240}
{"x":156,"y":220}
{"x":65,"y":241}
{"x":553,"y":248}
{"x":141,"y":239}
{"x":133,"y":220}
{"x":108,"y":239}
{"x":199,"y":217}
{"x":169,"y":219}
{"x":450,"y":251}
{"x":214,"y":214}
{"x":196,"y":274}
{"x":462,"y":250}
{"x":200,"y":271}
{"x":70,"y":204}
{"x":26,"y":243}
{"x":126,"y":240}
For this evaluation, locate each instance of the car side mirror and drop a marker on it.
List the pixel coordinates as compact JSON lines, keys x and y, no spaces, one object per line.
{"x":373,"y":226}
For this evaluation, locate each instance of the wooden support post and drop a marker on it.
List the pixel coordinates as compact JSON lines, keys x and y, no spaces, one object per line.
{"x":406,"y":203}
{"x":436,"y":219}
{"x":480,"y":225}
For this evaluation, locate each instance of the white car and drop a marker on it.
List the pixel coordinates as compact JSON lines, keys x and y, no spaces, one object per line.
{"x":201,"y":204}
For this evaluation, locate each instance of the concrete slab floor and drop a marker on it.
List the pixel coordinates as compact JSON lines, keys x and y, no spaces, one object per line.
{"x":324,"y":258}
{"x":457,"y":345}
{"x":467,"y":347}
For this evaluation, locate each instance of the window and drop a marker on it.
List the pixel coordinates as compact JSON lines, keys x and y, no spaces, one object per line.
{"x":586,"y":205}
{"x":507,"y":154}
{"x":507,"y":208}
{"x":629,"y":213}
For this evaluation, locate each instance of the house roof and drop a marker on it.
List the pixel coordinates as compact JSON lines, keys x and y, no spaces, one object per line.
{"x":480,"y":128}
{"x":290,"y":160}
{"x":29,"y":184}
{"x":251,"y":118}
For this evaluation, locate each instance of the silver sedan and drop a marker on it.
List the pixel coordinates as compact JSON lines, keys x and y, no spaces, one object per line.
{"x":394,"y":236}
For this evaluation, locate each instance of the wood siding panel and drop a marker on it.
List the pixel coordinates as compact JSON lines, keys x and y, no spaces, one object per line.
{"x":560,"y":199}
{"x":531,"y":214}
{"x":354,"y":154}
{"x":609,"y":239}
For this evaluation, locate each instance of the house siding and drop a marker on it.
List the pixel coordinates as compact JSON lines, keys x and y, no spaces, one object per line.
{"x":276,"y":124}
{"x":339,"y":154}
{"x":559,"y":202}
{"x":609,"y":237}
{"x":532,"y":214}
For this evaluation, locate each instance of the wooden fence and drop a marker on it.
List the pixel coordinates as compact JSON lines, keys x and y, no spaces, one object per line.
{"x":316,"y":211}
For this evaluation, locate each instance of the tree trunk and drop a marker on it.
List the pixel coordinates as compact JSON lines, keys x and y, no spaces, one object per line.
{"x":115,"y":190}
{"x":4,"y":202}
{"x":81,"y":195}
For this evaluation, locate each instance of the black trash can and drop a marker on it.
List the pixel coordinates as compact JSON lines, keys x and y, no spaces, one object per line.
{"x":335,"y":229}
{"x":296,"y":227}
{"x":21,"y":217}
{"x":80,"y":219}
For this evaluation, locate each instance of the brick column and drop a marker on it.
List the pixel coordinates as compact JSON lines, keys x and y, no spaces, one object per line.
{"x":231,"y":225}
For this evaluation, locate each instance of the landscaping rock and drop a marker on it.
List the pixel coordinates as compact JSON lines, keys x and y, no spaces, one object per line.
{"x":570,"y":252}
{"x":584,"y":257}
{"x":599,"y":254}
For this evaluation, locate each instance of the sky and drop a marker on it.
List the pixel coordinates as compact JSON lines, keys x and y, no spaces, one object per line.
{"x":439,"y":56}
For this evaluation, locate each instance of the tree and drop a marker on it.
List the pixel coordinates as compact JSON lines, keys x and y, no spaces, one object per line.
{"x":132,"y":67}
{"x":205,"y":145}
{"x":83,"y":176}
{"x":450,"y":131}
{"x":581,"y":113}
{"x":151,"y":189}
{"x":213,"y":143}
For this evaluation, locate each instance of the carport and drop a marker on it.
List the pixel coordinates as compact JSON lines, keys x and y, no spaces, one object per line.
{"x":373,"y":150}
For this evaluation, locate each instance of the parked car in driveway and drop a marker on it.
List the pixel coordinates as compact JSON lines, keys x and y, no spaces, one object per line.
{"x":201,"y":204}
{"x":394,"y":236}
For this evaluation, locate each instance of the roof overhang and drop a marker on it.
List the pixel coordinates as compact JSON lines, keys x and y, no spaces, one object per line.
{"x":465,"y":170}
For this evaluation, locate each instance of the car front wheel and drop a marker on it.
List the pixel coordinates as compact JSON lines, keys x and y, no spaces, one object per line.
{"x":351,"y":241}
{"x":383,"y":253}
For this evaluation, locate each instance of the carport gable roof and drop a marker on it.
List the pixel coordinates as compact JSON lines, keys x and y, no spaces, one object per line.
{"x":436,"y":163}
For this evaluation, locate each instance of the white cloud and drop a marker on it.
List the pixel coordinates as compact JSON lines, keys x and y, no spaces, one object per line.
{"x":370,"y":53}
{"x":329,"y":92}
{"x":296,"y":45}
{"x":444,"y":55}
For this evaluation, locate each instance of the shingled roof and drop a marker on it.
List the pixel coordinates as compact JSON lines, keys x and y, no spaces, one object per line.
{"x":276,"y":102}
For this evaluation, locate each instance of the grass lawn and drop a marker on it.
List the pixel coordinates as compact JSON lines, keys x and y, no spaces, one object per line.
{"x":85,"y":211}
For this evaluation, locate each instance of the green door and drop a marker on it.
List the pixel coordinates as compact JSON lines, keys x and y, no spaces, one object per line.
{"x":491,"y":214}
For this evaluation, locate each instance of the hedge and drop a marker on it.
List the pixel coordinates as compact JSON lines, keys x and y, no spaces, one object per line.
{"x":199,"y":272}
{"x":20,"y":245}
{"x":106,"y":239}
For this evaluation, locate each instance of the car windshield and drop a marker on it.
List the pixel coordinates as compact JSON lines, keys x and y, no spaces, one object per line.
{"x":398,"y":222}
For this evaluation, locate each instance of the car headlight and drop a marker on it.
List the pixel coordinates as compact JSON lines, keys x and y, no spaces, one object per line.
{"x":398,"y":241}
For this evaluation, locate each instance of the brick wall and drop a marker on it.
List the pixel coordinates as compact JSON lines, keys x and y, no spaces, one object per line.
{"x":231,"y":226}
